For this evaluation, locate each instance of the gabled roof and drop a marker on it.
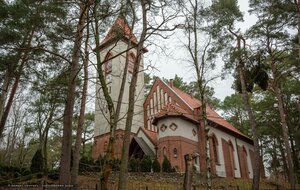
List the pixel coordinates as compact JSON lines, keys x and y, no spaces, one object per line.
{"x":143,"y":145}
{"x":194,"y":103}
{"x":151,"y":135}
{"x":120,"y":30}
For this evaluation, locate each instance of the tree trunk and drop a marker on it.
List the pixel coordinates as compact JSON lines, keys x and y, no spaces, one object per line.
{"x":130,"y":112}
{"x":283,"y":156}
{"x":3,"y":94}
{"x":23,"y":58}
{"x":256,"y":169}
{"x":64,"y":175}
{"x":297,"y":4}
{"x":188,"y":175}
{"x":76,"y":154}
{"x":285,"y":130}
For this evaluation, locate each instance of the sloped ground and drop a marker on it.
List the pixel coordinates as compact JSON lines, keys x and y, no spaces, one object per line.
{"x":159,"y":181}
{"x":174,"y":181}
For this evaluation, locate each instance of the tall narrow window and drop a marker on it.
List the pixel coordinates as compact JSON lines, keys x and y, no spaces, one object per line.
{"x":164,"y":151}
{"x":105,"y":146}
{"x":231,"y":154}
{"x":108,"y":63}
{"x":175,"y":152}
{"x":215,"y":148}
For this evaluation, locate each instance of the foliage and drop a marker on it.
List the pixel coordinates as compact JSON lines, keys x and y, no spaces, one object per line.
{"x":166,"y":165}
{"x":156,"y":165}
{"x":37,"y":162}
{"x":133,"y":165}
{"x":116,"y":164}
{"x":146,"y":164}
{"x":86,"y":165}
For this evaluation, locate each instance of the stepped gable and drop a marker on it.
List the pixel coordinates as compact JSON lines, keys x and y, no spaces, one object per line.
{"x":211,"y":114}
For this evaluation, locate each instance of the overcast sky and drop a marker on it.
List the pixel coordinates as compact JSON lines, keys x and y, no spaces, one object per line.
{"x":169,"y":65}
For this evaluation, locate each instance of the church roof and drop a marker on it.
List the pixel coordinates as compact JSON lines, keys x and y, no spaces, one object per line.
{"x":193,"y":104}
{"x":173,"y":110}
{"x":120,"y":30}
{"x":143,"y":145}
{"x":211,"y":114}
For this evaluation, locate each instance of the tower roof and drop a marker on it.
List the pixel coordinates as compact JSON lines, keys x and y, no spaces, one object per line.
{"x":120,"y":30}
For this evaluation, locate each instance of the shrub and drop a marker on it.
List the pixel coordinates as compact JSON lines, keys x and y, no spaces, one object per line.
{"x":156,"y":166}
{"x":86,"y":164}
{"x":146,"y":164}
{"x":166,"y":165}
{"x":116,"y":164}
{"x":133,"y":165}
{"x":37,"y":162}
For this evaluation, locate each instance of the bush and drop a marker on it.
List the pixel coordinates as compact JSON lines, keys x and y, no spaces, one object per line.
{"x":156,"y":166}
{"x":166,"y":165}
{"x":146,"y":164}
{"x":116,"y":164}
{"x":86,"y":165}
{"x":133,"y":165}
{"x":37,"y":162}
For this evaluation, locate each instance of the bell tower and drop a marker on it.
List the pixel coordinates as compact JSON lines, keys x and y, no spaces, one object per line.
{"x":113,"y":48}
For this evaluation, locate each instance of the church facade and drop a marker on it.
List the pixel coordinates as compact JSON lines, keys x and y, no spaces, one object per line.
{"x":167,"y":122}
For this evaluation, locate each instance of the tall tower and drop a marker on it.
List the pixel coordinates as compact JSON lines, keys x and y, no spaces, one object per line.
{"x":115,"y":44}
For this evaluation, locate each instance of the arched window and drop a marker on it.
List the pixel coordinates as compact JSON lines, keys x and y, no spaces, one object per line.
{"x":175,"y":152}
{"x":231,"y":150}
{"x":105,"y":146}
{"x":214,"y":141}
{"x":164,"y":151}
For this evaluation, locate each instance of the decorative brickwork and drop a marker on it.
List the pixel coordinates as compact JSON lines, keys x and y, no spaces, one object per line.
{"x":182,"y":145}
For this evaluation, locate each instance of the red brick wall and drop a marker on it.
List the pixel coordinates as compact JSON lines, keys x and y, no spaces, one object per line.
{"x":175,"y":99}
{"x":183,"y":146}
{"x":100,"y":141}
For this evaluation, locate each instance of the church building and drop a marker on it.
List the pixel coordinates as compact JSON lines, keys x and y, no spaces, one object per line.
{"x":167,"y":122}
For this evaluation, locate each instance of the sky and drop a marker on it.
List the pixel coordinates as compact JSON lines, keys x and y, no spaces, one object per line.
{"x":168,"y":59}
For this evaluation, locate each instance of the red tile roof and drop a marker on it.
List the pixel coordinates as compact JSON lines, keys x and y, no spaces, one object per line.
{"x":151,"y":134}
{"x":119,"y":29}
{"x":172,"y":110}
{"x":211,"y":114}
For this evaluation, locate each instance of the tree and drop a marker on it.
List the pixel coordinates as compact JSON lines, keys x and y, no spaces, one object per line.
{"x":275,"y":44}
{"x":166,"y":165}
{"x":146,"y":7}
{"x":156,"y":165}
{"x":235,"y":112}
{"x":64,"y":175}
{"x":146,"y":164}
{"x":37,"y":162}
{"x":223,"y":14}
{"x":80,"y":125}
{"x":23,"y":25}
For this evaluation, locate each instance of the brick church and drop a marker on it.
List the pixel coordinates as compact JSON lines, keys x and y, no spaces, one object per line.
{"x":167,"y":122}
